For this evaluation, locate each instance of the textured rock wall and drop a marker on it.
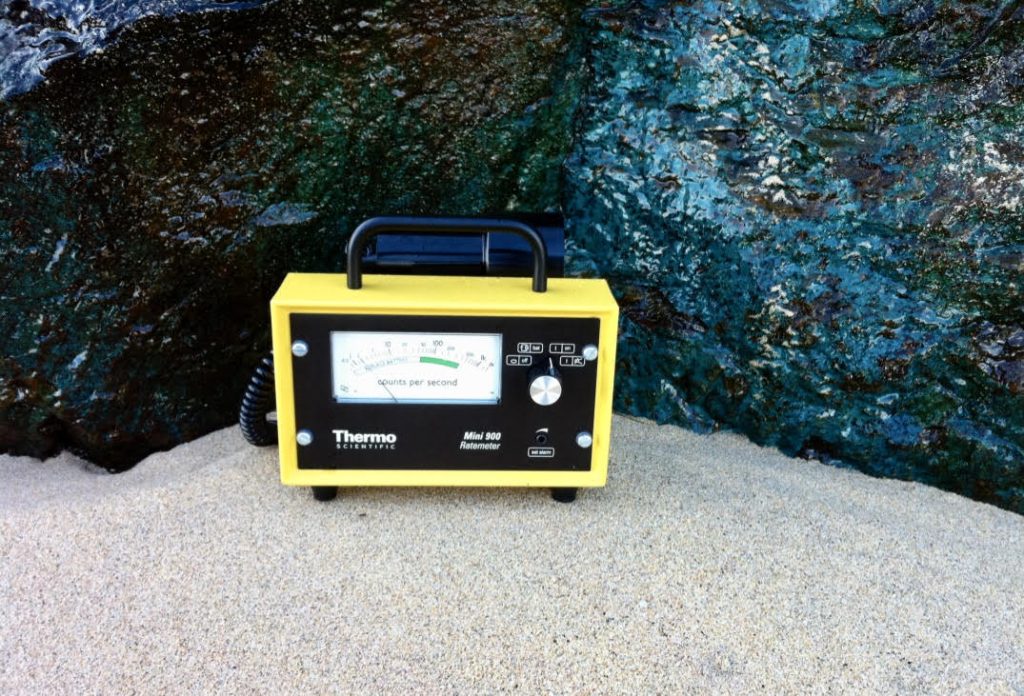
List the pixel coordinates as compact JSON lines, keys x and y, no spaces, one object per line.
{"x":154,"y":194}
{"x":34,"y":34}
{"x":813,"y":214}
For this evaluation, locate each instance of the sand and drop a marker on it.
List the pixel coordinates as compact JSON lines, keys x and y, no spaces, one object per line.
{"x":707,"y":564}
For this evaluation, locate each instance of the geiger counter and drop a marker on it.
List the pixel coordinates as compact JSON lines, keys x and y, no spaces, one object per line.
{"x":415,"y":380}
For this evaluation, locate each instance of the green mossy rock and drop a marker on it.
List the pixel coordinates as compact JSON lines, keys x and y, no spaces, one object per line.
{"x":813,"y":215}
{"x":812,"y":212}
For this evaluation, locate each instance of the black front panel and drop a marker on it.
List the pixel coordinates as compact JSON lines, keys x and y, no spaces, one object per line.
{"x":513,"y":434}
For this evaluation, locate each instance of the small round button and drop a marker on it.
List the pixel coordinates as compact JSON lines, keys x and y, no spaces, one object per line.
{"x":304,"y":437}
{"x":545,"y":390}
{"x":584,"y":439}
{"x":590,"y":352}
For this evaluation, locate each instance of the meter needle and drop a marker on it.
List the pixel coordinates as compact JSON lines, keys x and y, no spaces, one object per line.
{"x":393,"y":397}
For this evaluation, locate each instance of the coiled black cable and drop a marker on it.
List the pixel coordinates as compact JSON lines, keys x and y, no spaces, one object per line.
{"x":257,"y":403}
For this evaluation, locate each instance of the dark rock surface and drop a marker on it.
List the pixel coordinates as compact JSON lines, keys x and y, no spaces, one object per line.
{"x":34,"y":34}
{"x":813,"y":213}
{"x":154,"y":194}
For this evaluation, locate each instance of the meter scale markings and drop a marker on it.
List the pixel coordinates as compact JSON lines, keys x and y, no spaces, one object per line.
{"x":438,"y":361}
{"x":420,"y":368}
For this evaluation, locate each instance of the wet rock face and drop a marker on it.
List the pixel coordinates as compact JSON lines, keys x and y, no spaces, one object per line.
{"x":153,"y":195}
{"x":813,"y":214}
{"x":34,"y":34}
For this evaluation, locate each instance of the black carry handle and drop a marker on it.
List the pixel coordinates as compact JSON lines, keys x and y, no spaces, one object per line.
{"x":443,"y":226}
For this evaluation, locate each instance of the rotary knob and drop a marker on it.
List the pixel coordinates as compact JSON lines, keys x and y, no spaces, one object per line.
{"x":546,"y":385}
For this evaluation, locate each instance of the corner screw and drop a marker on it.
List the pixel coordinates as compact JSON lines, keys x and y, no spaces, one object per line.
{"x":304,"y":437}
{"x":300,"y":348}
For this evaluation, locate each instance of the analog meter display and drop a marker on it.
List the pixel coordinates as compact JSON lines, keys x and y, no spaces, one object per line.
{"x":416,"y":368}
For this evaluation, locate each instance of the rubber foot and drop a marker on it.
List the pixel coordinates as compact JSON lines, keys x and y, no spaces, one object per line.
{"x":563,"y":495}
{"x":325,"y":493}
